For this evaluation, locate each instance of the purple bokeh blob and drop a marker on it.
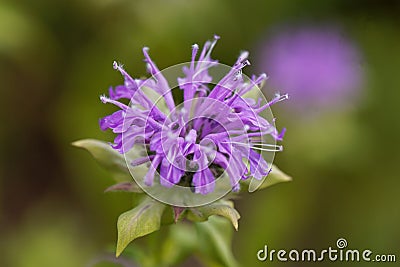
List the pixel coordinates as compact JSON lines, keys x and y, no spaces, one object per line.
{"x":317,"y":66}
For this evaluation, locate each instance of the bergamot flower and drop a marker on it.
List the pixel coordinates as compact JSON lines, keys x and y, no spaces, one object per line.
{"x":216,"y":129}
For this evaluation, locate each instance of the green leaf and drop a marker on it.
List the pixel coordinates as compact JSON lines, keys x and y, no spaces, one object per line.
{"x":107,"y":157}
{"x":274,"y":177}
{"x":222,"y":208}
{"x":215,"y":239}
{"x":142,"y":220}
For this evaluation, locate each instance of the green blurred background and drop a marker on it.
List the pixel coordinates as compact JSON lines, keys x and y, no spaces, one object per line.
{"x":56,"y":59}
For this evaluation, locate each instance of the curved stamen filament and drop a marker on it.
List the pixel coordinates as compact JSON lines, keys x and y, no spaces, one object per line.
{"x":278,"y":149}
{"x":264,"y":147}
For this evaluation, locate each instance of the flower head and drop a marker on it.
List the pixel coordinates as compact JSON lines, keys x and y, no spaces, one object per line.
{"x":216,"y":129}
{"x":316,"y":66}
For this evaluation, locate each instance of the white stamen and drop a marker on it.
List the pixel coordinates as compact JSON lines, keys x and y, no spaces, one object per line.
{"x":195,"y":49}
{"x":264,"y":147}
{"x":216,"y":38}
{"x":281,"y":97}
{"x":278,"y":149}
{"x":264,"y":76}
{"x":118,"y":66}
{"x":104,"y":99}
{"x":115,"y":65}
{"x":246,"y":63}
{"x":243,"y":55}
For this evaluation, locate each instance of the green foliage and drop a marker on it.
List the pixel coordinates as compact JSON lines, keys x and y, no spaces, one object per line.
{"x":222,"y":208}
{"x":215,"y":238}
{"x":274,"y":177}
{"x":107,"y":157}
{"x":142,"y":220}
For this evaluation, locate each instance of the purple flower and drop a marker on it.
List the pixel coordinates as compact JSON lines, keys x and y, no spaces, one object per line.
{"x":316,"y":66}
{"x":216,"y":129}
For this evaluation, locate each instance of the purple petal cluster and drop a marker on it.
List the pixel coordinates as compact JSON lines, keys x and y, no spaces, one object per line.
{"x":214,"y":130}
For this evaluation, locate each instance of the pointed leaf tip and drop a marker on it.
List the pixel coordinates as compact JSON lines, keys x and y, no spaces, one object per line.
{"x":274,"y":177}
{"x":139,"y":221}
{"x":222,"y":208}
